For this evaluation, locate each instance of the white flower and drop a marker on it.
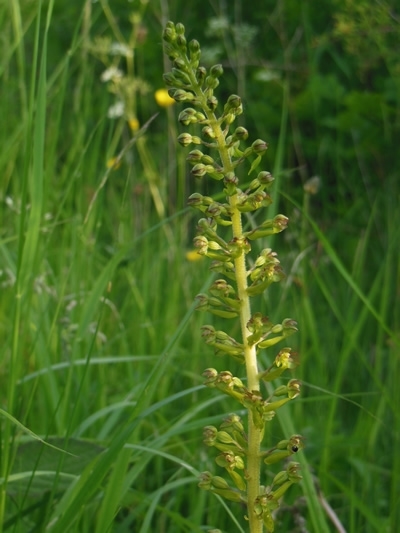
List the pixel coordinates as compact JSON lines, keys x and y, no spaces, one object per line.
{"x":116,"y":110}
{"x":120,"y":49}
{"x":111,"y":74}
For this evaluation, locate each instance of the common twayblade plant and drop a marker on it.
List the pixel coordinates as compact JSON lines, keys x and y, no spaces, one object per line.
{"x":243,"y":276}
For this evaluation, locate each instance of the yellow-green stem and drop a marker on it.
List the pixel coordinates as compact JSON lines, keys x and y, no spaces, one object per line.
{"x":253,"y":382}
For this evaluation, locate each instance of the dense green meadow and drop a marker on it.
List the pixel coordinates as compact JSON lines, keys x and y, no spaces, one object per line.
{"x":102,"y":397}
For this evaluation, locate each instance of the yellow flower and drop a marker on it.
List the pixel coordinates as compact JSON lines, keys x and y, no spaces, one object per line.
{"x":114,"y":163}
{"x":133,"y":124}
{"x":163,"y":99}
{"x":193,"y":255}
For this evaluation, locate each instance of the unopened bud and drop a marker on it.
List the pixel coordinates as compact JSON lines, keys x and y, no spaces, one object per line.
{"x":231,"y":182}
{"x":205,"y":480}
{"x":180,"y":28}
{"x":195,"y":156}
{"x":181,"y":42}
{"x":169,"y":33}
{"x":208,"y":132}
{"x":265,"y":178}
{"x":210,"y":374}
{"x":233,"y":102}
{"x":211,"y":82}
{"x":185,"y":139}
{"x":216,"y":71}
{"x":199,"y":170}
{"x":241,"y":133}
{"x":209,"y":435}
{"x":194,"y":46}
{"x":201,"y":74}
{"x":259,"y":146}
{"x":229,"y":118}
{"x":212,"y":102}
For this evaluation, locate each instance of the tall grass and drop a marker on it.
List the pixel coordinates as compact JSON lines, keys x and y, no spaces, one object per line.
{"x":100,"y":354}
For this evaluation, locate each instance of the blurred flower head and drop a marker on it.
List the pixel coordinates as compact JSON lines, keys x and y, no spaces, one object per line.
{"x":116,"y":110}
{"x":193,"y":255}
{"x":134,"y":124}
{"x":163,"y":99}
{"x":114,"y":163}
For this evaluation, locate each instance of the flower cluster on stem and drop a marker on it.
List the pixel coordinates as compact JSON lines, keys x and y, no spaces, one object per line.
{"x":240,"y":451}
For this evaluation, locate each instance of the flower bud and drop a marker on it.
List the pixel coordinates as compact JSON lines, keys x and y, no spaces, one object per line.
{"x":190,"y":116}
{"x":208,"y":334}
{"x":185,"y":139}
{"x":194,"y":53}
{"x":180,"y":64}
{"x":265,"y":178}
{"x":241,"y":133}
{"x":205,"y":480}
{"x":226,"y":460}
{"x":194,"y":46}
{"x":231,"y":181}
{"x":239,"y":245}
{"x":181,"y":77}
{"x":180,"y":28}
{"x":202,"y":302}
{"x":211,"y":82}
{"x":233,"y":102}
{"x":201,"y":74}
{"x":207,"y":160}
{"x":176,"y":94}
{"x":169,"y":33}
{"x":229,"y":118}
{"x":233,"y":422}
{"x":210,"y":374}
{"x":212,"y":102}
{"x":216,"y":71}
{"x":210,"y":435}
{"x":199,"y":170}
{"x":312,"y":185}
{"x":181,"y":42}
{"x":171,"y":51}
{"x":170,"y":80}
{"x":208,"y":132}
{"x":220,"y":287}
{"x":259,"y":146}
{"x":195,"y":156}
{"x":201,"y":244}
{"x":226,"y":377}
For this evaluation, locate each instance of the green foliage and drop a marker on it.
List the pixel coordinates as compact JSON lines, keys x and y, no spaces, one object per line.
{"x":99,"y":345}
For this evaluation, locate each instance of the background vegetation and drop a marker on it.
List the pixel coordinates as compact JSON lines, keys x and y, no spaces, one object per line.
{"x":100,"y":349}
